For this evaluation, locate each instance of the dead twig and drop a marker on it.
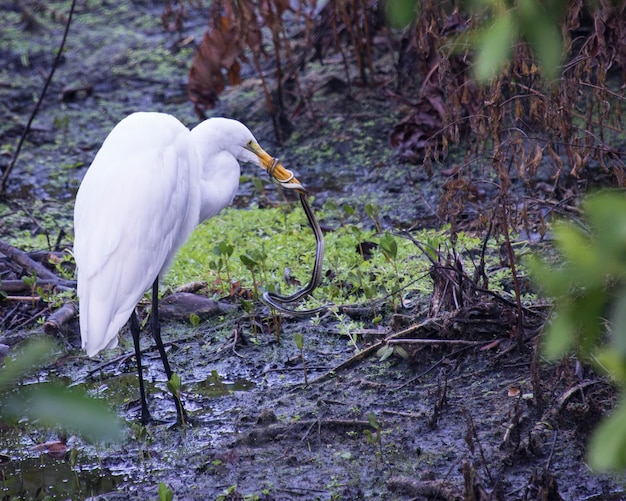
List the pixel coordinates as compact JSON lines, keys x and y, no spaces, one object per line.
{"x":442,"y":401}
{"x":27,"y":299}
{"x":436,"y":341}
{"x":365,"y":353}
{"x":563,"y":399}
{"x":27,"y":321}
{"x":552,"y":448}
{"x":237,"y":338}
{"x":471,"y":437}
{"x":55,"y":64}
{"x":516,"y":287}
{"x":421,"y":375}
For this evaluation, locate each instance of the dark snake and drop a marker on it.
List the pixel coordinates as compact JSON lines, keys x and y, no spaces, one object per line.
{"x":278,"y":302}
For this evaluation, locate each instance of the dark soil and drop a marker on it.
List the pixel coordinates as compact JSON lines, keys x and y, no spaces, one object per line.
{"x":444,"y":421}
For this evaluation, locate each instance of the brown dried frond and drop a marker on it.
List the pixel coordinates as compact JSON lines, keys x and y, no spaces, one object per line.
{"x":349,"y":23}
{"x":233,"y":27}
{"x":173,"y":16}
{"x":519,"y":114}
{"x":447,"y":94}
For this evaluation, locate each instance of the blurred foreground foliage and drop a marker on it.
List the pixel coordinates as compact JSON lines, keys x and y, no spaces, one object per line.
{"x":52,"y":405}
{"x":589,"y":289}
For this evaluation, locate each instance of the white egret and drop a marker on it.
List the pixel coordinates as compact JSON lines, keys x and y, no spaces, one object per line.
{"x":151,"y":183}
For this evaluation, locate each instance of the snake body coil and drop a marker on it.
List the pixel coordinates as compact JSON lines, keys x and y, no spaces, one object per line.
{"x":277,"y":301}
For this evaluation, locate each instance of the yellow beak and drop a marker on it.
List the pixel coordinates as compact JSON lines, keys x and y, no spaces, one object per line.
{"x":275,"y":169}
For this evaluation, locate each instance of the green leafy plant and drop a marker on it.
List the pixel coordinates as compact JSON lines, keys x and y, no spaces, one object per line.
{"x":31,"y":281}
{"x":228,"y":493}
{"x":64,"y":265}
{"x":194,"y":319}
{"x":55,"y":299}
{"x":374,"y":438}
{"x":272,"y":238}
{"x":251,"y":264}
{"x":298,"y":338}
{"x":63,"y":124}
{"x":373,"y":212}
{"x":174,"y":385}
{"x":223,"y":251}
{"x":73,"y":460}
{"x":143,"y":437}
{"x":165,"y":493}
{"x":348,"y":328}
{"x":389,"y":247}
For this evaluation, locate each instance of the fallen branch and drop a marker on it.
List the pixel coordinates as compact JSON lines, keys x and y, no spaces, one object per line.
{"x":42,"y":273}
{"x":14,"y":286}
{"x":59,"y":318}
{"x":431,"y":489}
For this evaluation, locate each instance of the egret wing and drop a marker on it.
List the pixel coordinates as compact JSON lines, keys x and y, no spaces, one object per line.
{"x":131,"y":210}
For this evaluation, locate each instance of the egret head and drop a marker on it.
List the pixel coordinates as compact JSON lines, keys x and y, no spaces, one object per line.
{"x":274,"y":168}
{"x":233,"y":136}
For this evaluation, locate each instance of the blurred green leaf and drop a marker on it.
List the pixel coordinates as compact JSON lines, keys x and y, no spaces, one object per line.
{"x":559,"y":338}
{"x":618,"y":327}
{"x":401,"y":13}
{"x":51,"y":405}
{"x":541,"y":30}
{"x":611,"y":362}
{"x":31,"y":356}
{"x":588,"y":287}
{"x":607,"y":447}
{"x":494,"y":46}
{"x":575,"y":246}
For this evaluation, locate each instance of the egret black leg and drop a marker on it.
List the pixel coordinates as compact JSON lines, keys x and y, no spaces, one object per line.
{"x":135,"y":329}
{"x":156,"y":334}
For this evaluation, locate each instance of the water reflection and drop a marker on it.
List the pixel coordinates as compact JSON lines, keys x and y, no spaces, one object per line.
{"x":38,"y":477}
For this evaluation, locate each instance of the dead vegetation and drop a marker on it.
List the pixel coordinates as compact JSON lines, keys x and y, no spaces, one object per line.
{"x":515,"y":121}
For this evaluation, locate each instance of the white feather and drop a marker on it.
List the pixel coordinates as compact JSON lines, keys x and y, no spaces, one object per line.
{"x":152,"y":182}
